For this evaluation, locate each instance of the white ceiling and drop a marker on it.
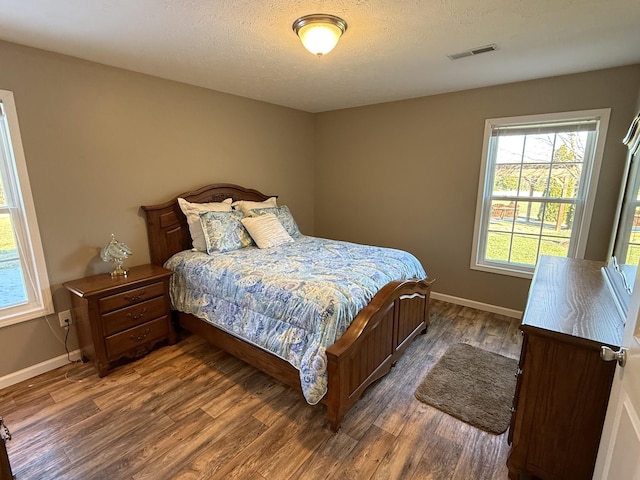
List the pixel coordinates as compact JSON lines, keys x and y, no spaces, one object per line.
{"x":392,"y":49}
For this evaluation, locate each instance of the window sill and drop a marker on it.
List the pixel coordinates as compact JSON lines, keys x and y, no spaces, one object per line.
{"x":509,"y":270}
{"x":24,"y":315}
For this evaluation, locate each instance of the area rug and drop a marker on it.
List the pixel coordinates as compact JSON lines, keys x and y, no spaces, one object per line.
{"x":472,"y":385}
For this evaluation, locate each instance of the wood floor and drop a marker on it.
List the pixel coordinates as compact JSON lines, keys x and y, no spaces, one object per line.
{"x":190,"y":411}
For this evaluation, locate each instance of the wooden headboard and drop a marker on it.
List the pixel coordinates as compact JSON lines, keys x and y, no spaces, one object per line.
{"x":167,"y":227}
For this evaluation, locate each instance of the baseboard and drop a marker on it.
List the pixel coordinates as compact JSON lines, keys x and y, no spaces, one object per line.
{"x":485,"y":307}
{"x":38,"y":369}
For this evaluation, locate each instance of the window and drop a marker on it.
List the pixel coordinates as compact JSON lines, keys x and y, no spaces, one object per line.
{"x":537,"y":187}
{"x":24,"y":285}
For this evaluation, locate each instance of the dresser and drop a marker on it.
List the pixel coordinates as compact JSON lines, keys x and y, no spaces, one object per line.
{"x":121,"y":317}
{"x":563,"y":385}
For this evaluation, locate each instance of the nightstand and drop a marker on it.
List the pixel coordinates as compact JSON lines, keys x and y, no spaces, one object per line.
{"x":122,"y":317}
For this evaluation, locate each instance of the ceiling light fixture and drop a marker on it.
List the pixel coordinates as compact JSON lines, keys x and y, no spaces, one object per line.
{"x":319,"y":33}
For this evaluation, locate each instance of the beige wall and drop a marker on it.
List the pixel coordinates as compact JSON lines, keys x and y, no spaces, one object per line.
{"x":99,"y":142}
{"x":405,"y":174}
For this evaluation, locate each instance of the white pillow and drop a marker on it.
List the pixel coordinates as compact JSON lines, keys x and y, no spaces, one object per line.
{"x":192,"y":212}
{"x":245,"y":205}
{"x":266,"y":230}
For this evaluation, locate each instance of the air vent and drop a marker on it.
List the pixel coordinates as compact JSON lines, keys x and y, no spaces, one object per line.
{"x":473,"y":51}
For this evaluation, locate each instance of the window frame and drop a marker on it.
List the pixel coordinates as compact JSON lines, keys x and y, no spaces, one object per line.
{"x":590,"y":175}
{"x":39,"y":300}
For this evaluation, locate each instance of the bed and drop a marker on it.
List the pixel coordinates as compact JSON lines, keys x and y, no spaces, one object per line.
{"x":372,"y":342}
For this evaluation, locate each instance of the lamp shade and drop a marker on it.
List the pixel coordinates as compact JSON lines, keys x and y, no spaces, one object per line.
{"x":319,"y":33}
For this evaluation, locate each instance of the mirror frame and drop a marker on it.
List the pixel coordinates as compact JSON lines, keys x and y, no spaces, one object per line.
{"x":622,"y":276}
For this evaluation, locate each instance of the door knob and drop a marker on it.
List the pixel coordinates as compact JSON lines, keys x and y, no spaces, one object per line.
{"x":609,"y":355}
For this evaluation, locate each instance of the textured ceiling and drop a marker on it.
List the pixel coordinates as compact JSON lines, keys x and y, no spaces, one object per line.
{"x":392,"y":49}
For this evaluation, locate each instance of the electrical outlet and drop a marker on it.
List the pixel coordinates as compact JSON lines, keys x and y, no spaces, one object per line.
{"x":65,"y":318}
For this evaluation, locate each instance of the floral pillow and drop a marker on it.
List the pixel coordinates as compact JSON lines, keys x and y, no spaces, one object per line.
{"x":284,"y":217}
{"x":224,"y":232}
{"x":193,"y":210}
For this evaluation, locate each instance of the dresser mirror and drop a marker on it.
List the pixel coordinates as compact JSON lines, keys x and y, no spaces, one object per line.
{"x":624,"y":250}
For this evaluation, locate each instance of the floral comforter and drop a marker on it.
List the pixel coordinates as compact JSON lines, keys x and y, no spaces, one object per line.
{"x":294,"y":300}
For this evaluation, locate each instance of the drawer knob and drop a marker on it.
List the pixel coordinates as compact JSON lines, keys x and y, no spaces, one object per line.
{"x":137,"y":316}
{"x":139,"y":338}
{"x":609,"y":355}
{"x":135,"y":298}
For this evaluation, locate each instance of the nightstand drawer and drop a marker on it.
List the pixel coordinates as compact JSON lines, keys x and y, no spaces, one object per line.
{"x":134,"y":315}
{"x":137,"y":336}
{"x":131,"y":297}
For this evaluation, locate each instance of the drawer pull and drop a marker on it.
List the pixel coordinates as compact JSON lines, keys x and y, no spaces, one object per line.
{"x":139,"y":338}
{"x":137,"y":316}
{"x":135,"y":298}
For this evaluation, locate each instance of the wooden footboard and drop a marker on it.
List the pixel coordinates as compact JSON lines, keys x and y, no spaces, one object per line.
{"x":376,"y":338}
